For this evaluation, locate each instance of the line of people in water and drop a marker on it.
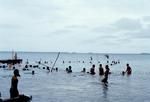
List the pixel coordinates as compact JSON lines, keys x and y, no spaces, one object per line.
{"x":102,"y":72}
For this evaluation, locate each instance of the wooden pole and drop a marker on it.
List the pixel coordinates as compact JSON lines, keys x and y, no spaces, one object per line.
{"x":55,"y":61}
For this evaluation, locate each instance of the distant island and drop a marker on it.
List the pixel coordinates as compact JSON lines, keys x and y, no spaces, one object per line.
{"x":145,"y":53}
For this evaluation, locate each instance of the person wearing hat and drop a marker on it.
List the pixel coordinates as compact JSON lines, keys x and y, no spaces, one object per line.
{"x":14,"y":84}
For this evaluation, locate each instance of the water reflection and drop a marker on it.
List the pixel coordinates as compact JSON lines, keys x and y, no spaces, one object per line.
{"x":105,"y":90}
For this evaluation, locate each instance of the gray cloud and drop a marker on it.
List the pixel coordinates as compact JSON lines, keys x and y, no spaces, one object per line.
{"x":120,"y":33}
{"x":79,"y":25}
{"x":142,"y":34}
{"x":128,"y":24}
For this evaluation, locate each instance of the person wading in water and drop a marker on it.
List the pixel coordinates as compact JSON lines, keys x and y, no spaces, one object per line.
{"x":128,"y":70}
{"x":14,"y":84}
{"x":107,"y":72}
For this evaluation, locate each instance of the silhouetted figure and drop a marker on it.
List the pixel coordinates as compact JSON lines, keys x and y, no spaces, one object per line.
{"x":13,"y":67}
{"x":4,"y":66}
{"x":26,"y":66}
{"x":123,"y":73}
{"x":92,"y":70}
{"x":107,"y":61}
{"x":101,"y":70}
{"x":105,"y":80}
{"x":66,"y":69}
{"x":14,"y":84}
{"x":30,"y":65}
{"x":48,"y":69}
{"x":84,"y":70}
{"x":69,"y":70}
{"x":56,"y":69}
{"x":107,"y":56}
{"x":33,"y":72}
{"x":128,"y":70}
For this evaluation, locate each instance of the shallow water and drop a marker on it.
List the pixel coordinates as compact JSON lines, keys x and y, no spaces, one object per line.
{"x":81,"y":87}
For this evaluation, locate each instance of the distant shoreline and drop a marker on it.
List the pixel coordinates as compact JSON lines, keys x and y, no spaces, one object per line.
{"x":74,"y":52}
{"x":145,"y":53}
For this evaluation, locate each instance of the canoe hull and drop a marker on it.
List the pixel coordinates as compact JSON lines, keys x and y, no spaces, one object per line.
{"x":20,"y":98}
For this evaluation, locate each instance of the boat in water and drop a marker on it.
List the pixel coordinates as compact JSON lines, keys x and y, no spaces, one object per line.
{"x":20,"y":98}
{"x":14,"y":60}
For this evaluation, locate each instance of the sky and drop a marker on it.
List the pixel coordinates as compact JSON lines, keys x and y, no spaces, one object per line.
{"x":101,"y":26}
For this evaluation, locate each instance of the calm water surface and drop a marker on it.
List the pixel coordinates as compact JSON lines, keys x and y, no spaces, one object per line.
{"x":77,"y":86}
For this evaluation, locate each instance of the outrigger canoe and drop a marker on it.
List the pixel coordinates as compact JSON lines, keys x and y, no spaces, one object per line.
{"x":20,"y":98}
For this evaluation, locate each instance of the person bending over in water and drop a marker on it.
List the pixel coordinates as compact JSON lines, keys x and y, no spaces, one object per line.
{"x":101,"y":70}
{"x":105,"y":80}
{"x":92,"y":70}
{"x":14,"y":84}
{"x":128,"y":70}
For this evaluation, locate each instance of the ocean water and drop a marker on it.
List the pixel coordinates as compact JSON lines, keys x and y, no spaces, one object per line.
{"x":80,"y":87}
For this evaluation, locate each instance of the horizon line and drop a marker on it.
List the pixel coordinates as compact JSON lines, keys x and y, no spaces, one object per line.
{"x":76,"y":52}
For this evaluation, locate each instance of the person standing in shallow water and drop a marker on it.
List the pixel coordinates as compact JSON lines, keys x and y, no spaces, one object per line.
{"x":70,"y":69}
{"x":105,"y":80}
{"x":92,"y":70}
{"x":101,"y":70}
{"x":14,"y":84}
{"x":128,"y":70}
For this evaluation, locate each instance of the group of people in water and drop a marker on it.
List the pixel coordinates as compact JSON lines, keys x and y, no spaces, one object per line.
{"x":102,"y":72}
{"x":69,"y":70}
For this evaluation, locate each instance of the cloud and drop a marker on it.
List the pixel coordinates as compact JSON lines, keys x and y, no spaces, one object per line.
{"x":79,"y":25}
{"x":142,"y":34}
{"x":128,"y":24}
{"x":122,"y":32}
{"x":134,"y":29}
